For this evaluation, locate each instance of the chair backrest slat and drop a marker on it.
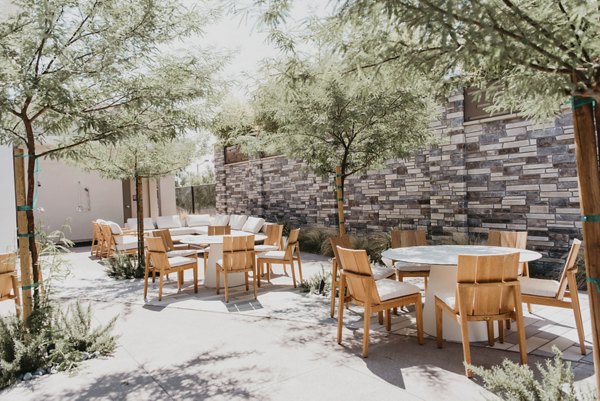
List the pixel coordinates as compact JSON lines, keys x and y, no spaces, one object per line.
{"x":360,"y":278}
{"x":219,"y":230}
{"x":292,"y":244}
{"x":8,"y":262}
{"x":165,"y":234}
{"x":406,"y":238}
{"x":570,"y":267}
{"x":238,"y":252}
{"x":274,"y":234}
{"x":157,"y":252}
{"x":509,"y":239}
{"x":343,"y":241}
{"x":486,"y":284}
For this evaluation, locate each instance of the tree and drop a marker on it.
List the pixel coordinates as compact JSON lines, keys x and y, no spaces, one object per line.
{"x":314,"y":111}
{"x":73,"y":72}
{"x":136,"y":158}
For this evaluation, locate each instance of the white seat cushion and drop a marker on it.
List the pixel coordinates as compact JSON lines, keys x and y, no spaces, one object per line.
{"x":114,"y":228}
{"x":253,"y":225}
{"x":182,"y":231}
{"x":168,"y":221}
{"x":381,"y":272}
{"x":265,"y":248}
{"x":200,"y":230}
{"x":180,"y":260}
{"x":183,"y":252}
{"x":273,"y":255}
{"x":219,"y":220}
{"x":539,"y":287}
{"x":126,"y":242}
{"x":148,"y":223}
{"x":197,"y":220}
{"x":237,"y":221}
{"x":411,"y":267}
{"x":390,"y":289}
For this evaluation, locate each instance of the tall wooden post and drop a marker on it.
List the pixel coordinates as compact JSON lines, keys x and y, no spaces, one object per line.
{"x":589,"y":197}
{"x":25,"y":260}
{"x":339,"y":191}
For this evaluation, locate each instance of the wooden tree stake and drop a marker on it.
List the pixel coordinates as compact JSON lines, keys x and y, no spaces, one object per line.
{"x":139,"y":202}
{"x":25,"y":260}
{"x":589,"y":198}
{"x":339,"y":191}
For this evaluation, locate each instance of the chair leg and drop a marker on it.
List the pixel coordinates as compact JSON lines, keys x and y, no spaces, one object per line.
{"x":258,"y":271}
{"x":578,"y":320}
{"x":254,"y":282}
{"x":333,"y":287}
{"x":388,"y":319}
{"x":205,"y":257}
{"x":179,"y":279}
{"x":17,"y":295}
{"x":367,"y":324}
{"x":218,"y":272}
{"x":341,"y":309}
{"x":146,"y":281}
{"x":425,"y":279}
{"x":464,"y":328}
{"x":500,"y":331}
{"x":299,"y":267}
{"x":293,"y":272}
{"x":529,"y":308}
{"x":226,"y":282}
{"x":160,"y":285}
{"x":520,"y":327}
{"x":269,"y":272}
{"x":379,"y":317}
{"x":439,"y":324}
{"x":490,"y":332}
{"x":419,"y":317}
{"x":507,"y":324}
{"x":196,"y":278}
{"x":246,"y":280}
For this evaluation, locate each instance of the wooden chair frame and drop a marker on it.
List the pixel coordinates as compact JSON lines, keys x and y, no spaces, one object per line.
{"x":485,"y":293}
{"x":109,"y":245}
{"x":510,"y":239}
{"x":158,"y":262}
{"x":274,"y":235}
{"x":292,"y":253}
{"x":406,"y":238}
{"x":343,"y":242}
{"x":96,"y":238}
{"x":9,"y":280}
{"x":238,"y":257}
{"x":567,"y":279}
{"x":357,"y":277}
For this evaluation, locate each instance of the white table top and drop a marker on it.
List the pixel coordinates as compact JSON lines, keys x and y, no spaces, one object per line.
{"x":448,"y":254}
{"x":215,"y":239}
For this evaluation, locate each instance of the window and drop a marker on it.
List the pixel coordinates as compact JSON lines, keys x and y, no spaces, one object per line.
{"x":475,"y":109}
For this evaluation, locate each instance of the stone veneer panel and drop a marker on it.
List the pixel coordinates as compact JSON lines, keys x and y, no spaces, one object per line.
{"x":505,"y":173}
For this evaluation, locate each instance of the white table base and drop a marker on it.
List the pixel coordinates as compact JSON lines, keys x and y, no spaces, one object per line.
{"x":210,"y":280}
{"x":442,"y":280}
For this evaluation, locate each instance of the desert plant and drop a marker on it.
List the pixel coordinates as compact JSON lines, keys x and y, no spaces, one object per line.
{"x":123,"y":266}
{"x":512,"y":381}
{"x":319,"y":283}
{"x":316,"y":240}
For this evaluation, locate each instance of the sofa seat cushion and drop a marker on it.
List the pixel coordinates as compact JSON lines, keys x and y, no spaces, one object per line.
{"x":265,"y":248}
{"x":126,"y":242}
{"x":148,"y":223}
{"x":411,"y":267}
{"x":253,"y":225}
{"x":200,"y":230}
{"x":539,"y":287}
{"x":390,"y":289}
{"x":180,"y":261}
{"x":381,"y":272}
{"x":182,"y":231}
{"x":197,"y":220}
{"x":219,"y":220}
{"x":168,"y":221}
{"x":237,"y":221}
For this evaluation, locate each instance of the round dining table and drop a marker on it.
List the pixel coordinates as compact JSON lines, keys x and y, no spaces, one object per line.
{"x":215,"y":253}
{"x":442,"y":280}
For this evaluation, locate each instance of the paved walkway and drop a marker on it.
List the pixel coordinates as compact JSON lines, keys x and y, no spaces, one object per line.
{"x":279,"y":347}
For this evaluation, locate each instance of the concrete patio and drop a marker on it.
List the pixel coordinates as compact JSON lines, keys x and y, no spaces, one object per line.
{"x":281,"y":346}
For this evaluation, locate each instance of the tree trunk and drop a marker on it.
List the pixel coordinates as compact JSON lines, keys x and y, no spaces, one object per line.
{"x":20,"y":198}
{"x":339,"y":186}
{"x":589,"y":196}
{"x":33,"y":249}
{"x":139,"y":202}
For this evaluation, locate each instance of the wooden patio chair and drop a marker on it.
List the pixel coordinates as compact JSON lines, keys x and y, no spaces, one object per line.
{"x":219,"y":230}
{"x":375,"y":296}
{"x":553,"y":293}
{"x":510,"y":239}
{"x":9,"y":283}
{"x":274,"y":240}
{"x":343,"y":241}
{"x":238,"y":257}
{"x":157,"y":262}
{"x":115,"y":242}
{"x":487,"y":289}
{"x":96,"y":238}
{"x":285,"y":257}
{"x":406,"y":238}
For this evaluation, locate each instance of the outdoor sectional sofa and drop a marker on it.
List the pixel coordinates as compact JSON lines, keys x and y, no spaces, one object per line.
{"x":198,"y":223}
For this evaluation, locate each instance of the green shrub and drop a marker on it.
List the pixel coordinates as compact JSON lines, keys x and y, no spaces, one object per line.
{"x":51,"y":339}
{"x":515,"y":382}
{"x":124,"y":266}
{"x":316,"y":240}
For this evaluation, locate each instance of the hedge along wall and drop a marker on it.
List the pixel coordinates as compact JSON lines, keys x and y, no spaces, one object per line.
{"x":502,"y":173}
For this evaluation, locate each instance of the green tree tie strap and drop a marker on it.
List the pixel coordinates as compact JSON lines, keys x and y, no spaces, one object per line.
{"x":595,"y":281}
{"x":24,"y":235}
{"x":590,"y":218}
{"x":30,"y":286}
{"x":577,"y":102}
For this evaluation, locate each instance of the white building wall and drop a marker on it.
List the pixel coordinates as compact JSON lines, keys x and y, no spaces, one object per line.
{"x":69,"y":195}
{"x":8,"y":218}
{"x":168,"y":204}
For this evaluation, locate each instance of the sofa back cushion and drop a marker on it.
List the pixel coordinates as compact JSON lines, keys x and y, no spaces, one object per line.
{"x":148,"y":223}
{"x":236,"y":221}
{"x":197,"y":220}
{"x":253,"y":225}
{"x":114,"y":228}
{"x":219,"y":220}
{"x":168,"y":221}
